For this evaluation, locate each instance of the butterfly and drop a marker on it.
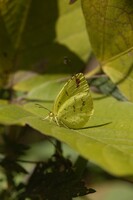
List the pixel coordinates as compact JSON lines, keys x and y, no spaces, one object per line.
{"x":73,"y":105}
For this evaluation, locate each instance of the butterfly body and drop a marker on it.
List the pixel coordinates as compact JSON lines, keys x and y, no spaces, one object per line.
{"x":73,"y":105}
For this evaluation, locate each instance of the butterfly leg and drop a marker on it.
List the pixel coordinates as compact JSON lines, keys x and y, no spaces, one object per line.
{"x":56,"y":121}
{"x":64,"y":125}
{"x":45,"y":118}
{"x":52,"y":118}
{"x":59,"y":124}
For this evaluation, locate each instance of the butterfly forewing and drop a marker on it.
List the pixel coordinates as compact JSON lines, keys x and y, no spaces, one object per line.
{"x":73,"y":105}
{"x":76,"y":112}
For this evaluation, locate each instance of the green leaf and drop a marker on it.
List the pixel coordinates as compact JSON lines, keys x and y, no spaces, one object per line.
{"x":34,"y":82}
{"x":48,"y":90}
{"x":39,"y":34}
{"x":106,"y":141}
{"x":12,"y":114}
{"x":71,"y":30}
{"x":109,"y":146}
{"x":109,"y":24}
{"x":120,"y":71}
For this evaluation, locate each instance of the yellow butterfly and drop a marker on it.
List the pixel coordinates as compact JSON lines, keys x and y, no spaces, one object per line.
{"x":73,"y":105}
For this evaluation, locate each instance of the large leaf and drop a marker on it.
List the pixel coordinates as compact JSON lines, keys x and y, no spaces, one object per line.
{"x":39,"y":34}
{"x":109,"y":24}
{"x":109,"y":146}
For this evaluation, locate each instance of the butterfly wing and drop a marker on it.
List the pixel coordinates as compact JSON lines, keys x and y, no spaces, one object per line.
{"x":73,"y":105}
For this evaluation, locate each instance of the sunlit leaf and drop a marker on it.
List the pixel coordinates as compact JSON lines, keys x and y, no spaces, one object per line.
{"x":109,"y":25}
{"x":106,"y":141}
{"x":107,"y":145}
{"x":120,"y":71}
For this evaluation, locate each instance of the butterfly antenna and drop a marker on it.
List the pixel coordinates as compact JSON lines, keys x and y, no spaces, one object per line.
{"x":40,"y":106}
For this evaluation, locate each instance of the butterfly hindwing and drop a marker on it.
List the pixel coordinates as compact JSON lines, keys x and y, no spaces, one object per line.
{"x":76,"y":112}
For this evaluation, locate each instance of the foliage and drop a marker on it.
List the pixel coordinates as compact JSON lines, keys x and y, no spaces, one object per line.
{"x":41,"y":44}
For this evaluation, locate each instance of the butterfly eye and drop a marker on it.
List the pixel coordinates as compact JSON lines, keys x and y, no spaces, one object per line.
{"x":51,"y":114}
